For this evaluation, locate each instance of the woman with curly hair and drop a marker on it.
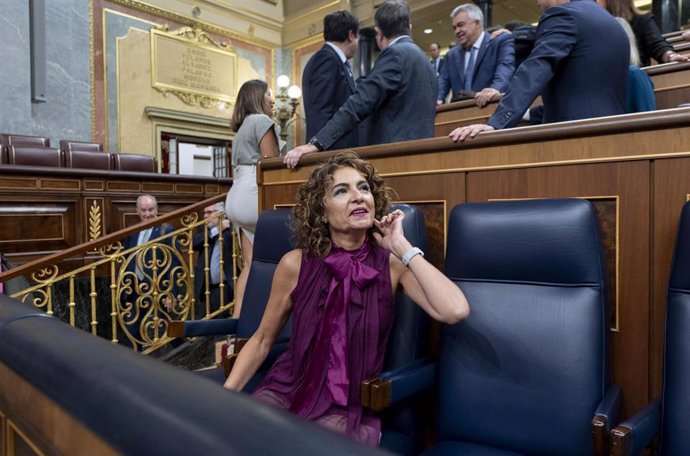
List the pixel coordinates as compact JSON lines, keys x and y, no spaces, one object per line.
{"x":339,"y":285}
{"x":255,"y":137}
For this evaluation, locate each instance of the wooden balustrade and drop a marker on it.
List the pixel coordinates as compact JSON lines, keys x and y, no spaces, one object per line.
{"x":671,"y":87}
{"x":48,"y":210}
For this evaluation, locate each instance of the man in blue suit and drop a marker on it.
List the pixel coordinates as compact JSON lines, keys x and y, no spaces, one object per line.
{"x":579,"y":66}
{"x":479,"y":64}
{"x":436,"y":60}
{"x":399,"y":94}
{"x":327,"y":79}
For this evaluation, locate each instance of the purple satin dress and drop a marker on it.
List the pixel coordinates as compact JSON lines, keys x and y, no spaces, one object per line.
{"x":342,"y":316}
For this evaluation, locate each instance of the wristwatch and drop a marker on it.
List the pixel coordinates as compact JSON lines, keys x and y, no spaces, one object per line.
{"x":315,"y":142}
{"x":413,"y":252}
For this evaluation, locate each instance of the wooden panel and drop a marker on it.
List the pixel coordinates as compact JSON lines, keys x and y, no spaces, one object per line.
{"x":37,"y":425}
{"x":189,"y":188}
{"x":671,"y":190}
{"x":14,"y":183}
{"x":94,"y":185}
{"x":163,"y":187}
{"x":60,"y":184}
{"x":629,"y":184}
{"x":40,"y":224}
{"x":123,"y":186}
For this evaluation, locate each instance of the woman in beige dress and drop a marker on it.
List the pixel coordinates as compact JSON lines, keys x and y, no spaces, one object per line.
{"x":255,"y":137}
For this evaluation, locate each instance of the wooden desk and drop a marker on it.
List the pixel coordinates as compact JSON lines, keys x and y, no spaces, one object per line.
{"x":671,"y":87}
{"x":47,"y":210}
{"x":634,"y":168}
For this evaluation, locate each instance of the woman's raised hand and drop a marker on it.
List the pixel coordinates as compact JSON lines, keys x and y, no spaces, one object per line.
{"x":390,"y":233}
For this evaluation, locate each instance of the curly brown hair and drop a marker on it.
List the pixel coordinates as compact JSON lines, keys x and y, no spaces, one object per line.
{"x":311,"y":230}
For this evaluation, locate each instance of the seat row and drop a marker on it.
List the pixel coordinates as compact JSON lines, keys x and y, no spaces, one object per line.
{"x":526,"y":373}
{"x":36,"y":151}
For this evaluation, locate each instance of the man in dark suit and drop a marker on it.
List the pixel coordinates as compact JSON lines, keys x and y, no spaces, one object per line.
{"x":479,"y":64}
{"x":436,"y":59}
{"x":327,"y":80}
{"x":208,"y":264}
{"x":399,"y":94}
{"x":579,"y":66}
{"x":140,"y":295}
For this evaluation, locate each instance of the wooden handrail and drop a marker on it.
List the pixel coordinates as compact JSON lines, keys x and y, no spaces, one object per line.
{"x":536,"y":133}
{"x":105,"y":240}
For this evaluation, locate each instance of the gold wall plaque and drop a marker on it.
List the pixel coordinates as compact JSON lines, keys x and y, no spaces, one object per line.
{"x":192,"y":66}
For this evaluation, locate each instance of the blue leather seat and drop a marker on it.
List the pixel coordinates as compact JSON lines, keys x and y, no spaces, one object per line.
{"x":273,"y":239}
{"x":668,"y":416}
{"x":409,"y":342}
{"x":132,"y":404}
{"x":526,"y":373}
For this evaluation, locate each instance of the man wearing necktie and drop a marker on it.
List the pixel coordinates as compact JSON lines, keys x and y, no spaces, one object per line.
{"x":140,"y":295}
{"x":397,"y":97}
{"x":436,"y":59}
{"x":208,"y":268}
{"x":479,"y":66}
{"x":327,"y":80}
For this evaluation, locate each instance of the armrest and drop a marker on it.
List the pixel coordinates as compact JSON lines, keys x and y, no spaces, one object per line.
{"x":191,"y":328}
{"x":605,"y":417}
{"x":637,"y":432}
{"x":396,"y":385}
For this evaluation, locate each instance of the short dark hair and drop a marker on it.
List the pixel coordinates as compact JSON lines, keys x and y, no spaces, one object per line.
{"x":337,"y":26}
{"x":393,"y":18}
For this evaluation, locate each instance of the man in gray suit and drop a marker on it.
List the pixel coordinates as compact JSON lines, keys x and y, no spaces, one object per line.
{"x":399,"y":94}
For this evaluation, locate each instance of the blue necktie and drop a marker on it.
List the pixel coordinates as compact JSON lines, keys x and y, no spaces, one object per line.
{"x":469,"y":70}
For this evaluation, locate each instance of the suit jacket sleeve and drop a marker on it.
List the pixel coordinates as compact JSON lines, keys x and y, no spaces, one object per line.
{"x":556,"y":37}
{"x":443,"y":81}
{"x":371,"y":93}
{"x":320,"y":107}
{"x":505,"y":65}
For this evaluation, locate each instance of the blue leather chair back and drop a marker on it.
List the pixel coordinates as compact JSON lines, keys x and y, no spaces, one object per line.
{"x":272,"y":240}
{"x":526,"y":371}
{"x":675,"y":438}
{"x":408,"y":341}
{"x":410,"y":335}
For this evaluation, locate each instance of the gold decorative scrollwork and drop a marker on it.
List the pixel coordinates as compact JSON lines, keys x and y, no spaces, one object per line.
{"x":111,"y":250}
{"x":191,"y":99}
{"x":95,"y":221}
{"x":189,"y":219}
{"x":195,"y":34}
{"x":46,"y":274}
{"x":152,"y":290}
{"x":183,"y":239}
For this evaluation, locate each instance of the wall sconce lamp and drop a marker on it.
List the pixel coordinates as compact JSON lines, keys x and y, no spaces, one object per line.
{"x":287,"y":100}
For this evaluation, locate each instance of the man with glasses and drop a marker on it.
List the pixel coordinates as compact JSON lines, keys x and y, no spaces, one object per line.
{"x":208,"y":264}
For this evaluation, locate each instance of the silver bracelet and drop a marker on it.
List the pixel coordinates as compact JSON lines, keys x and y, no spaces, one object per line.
{"x":414,"y":251}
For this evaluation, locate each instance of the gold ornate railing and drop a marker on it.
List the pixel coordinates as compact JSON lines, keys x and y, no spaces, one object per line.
{"x":130,"y":295}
